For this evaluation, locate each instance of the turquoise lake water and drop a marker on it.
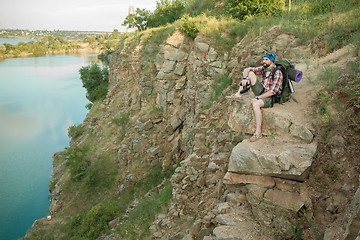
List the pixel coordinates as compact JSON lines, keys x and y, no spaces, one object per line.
{"x":40,"y":97}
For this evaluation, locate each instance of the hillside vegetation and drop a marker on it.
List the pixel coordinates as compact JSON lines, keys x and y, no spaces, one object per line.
{"x":55,"y":43}
{"x":148,"y":160}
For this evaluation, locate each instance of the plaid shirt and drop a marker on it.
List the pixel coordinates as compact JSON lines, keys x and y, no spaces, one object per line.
{"x":274,"y":84}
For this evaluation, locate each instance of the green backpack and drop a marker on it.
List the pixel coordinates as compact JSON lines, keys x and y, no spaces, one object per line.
{"x":289,"y":74}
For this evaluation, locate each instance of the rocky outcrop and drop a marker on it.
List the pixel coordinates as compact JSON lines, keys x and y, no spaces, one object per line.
{"x":264,"y":173}
{"x":260,"y":176}
{"x":273,"y":157}
{"x":275,"y":121}
{"x":270,"y":169}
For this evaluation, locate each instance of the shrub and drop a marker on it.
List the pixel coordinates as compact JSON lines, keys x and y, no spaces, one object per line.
{"x":77,"y":163}
{"x":88,"y":106}
{"x":91,"y":224}
{"x":76,"y":130}
{"x":95,"y":80}
{"x":104,"y":56}
{"x":242,"y":9}
{"x":321,"y":6}
{"x":101,"y":175}
{"x":189,"y":27}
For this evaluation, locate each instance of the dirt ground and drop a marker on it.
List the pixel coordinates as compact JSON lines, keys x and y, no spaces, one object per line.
{"x":334,"y":176}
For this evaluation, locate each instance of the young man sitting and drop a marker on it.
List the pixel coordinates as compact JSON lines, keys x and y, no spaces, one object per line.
{"x":264,"y":90}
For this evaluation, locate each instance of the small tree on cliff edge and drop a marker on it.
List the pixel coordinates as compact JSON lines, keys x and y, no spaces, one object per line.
{"x":167,"y":11}
{"x":95,"y":80}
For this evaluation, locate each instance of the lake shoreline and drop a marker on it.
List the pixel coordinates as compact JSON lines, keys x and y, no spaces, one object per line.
{"x":81,"y":51}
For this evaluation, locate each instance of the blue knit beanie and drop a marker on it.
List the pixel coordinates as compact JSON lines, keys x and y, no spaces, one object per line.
{"x":271,"y":56}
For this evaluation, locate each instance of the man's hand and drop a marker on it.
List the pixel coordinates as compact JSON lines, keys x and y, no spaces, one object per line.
{"x":244,"y":82}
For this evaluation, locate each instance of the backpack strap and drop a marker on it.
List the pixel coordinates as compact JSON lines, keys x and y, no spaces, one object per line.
{"x":277,"y":96}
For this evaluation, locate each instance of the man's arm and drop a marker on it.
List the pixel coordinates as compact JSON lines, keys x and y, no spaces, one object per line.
{"x":265,"y":95}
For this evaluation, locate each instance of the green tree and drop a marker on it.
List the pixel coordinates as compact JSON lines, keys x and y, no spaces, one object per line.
{"x":243,"y":9}
{"x":115,"y":34}
{"x":129,"y":21}
{"x":51,"y":40}
{"x":166,"y":11}
{"x":95,"y":80}
{"x":138,"y":20}
{"x":141,"y":18}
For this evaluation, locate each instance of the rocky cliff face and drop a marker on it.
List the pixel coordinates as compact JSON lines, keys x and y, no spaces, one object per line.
{"x":180,"y":77}
{"x":225,"y":187}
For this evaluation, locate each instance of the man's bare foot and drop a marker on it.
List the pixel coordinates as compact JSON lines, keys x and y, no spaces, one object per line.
{"x":255,"y":137}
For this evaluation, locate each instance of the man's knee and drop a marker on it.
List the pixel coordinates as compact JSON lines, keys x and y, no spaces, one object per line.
{"x":252,"y":78}
{"x":257,"y":104}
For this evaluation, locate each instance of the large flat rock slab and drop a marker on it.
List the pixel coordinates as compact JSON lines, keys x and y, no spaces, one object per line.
{"x":278,"y":157}
{"x":276,"y":120}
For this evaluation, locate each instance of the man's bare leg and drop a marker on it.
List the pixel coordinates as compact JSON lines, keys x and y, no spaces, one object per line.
{"x":251,"y":80}
{"x":257,"y":105}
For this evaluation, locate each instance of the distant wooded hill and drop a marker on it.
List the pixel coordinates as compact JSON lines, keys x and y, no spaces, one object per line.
{"x":71,"y":35}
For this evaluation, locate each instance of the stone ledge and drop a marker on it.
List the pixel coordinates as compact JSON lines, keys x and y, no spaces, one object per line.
{"x":275,"y":121}
{"x":277,"y":157}
{"x":235,"y":178}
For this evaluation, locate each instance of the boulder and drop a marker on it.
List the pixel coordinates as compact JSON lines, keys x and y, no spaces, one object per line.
{"x":299,"y":131}
{"x":179,"y":69}
{"x":275,"y":121}
{"x":201,"y":50}
{"x":212,"y":55}
{"x":287,"y":200}
{"x":168,"y":66}
{"x":170,"y":53}
{"x":275,"y":157}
